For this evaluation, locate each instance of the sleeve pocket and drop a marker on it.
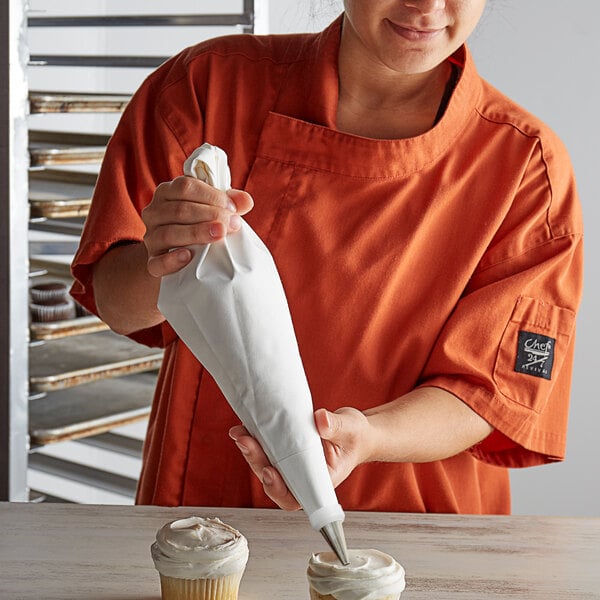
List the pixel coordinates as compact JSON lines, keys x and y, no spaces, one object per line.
{"x":532,"y":351}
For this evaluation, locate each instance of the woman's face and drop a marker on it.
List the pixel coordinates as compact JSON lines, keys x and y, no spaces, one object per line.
{"x":410,"y":36}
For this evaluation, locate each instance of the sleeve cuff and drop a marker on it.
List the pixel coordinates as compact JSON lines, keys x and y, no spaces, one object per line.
{"x":518,"y":439}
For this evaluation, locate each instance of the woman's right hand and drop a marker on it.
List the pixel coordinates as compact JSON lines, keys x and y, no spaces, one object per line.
{"x":185,"y":212}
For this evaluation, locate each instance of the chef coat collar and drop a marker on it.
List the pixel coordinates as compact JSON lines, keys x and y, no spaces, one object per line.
{"x":308,"y":102}
{"x":312,"y":77}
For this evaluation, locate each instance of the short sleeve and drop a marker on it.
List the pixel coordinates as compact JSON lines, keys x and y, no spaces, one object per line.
{"x":507,"y":349}
{"x":145,"y":150}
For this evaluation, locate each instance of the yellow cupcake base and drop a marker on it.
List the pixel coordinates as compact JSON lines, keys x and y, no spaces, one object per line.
{"x":223,"y":588}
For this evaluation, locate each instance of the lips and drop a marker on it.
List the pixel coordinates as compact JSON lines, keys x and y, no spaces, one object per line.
{"x":414,"y":34}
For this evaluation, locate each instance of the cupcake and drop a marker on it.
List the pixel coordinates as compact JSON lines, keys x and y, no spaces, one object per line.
{"x":46,"y":312}
{"x":49,"y":292}
{"x":199,"y":559}
{"x":50,"y":301}
{"x":371,"y":575}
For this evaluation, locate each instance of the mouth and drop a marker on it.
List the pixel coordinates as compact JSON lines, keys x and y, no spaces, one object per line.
{"x":415,"y":34}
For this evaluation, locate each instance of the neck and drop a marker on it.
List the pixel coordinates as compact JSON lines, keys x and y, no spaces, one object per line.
{"x":376,"y":101}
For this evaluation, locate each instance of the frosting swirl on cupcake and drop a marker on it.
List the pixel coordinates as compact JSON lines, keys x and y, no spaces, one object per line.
{"x":199,"y":548}
{"x":371,"y":575}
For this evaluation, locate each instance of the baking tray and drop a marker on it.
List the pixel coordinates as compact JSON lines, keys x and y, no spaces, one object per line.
{"x":66,"y":328}
{"x":90,"y":409}
{"x":60,"y":102}
{"x":73,"y":361}
{"x":64,"y":148}
{"x":59,"y":265}
{"x":84,"y":323}
{"x":66,"y":175}
{"x":51,"y":237}
{"x":55,"y":194}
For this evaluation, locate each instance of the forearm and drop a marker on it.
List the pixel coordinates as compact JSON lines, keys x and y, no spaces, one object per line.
{"x":125,"y":293}
{"x":426,"y":424}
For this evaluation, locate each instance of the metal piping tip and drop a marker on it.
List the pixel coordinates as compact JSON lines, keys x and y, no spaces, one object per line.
{"x":334,"y":535}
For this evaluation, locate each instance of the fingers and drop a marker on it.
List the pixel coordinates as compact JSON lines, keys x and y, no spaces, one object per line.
{"x":271,"y":479}
{"x":250,"y":449}
{"x":276,"y":489}
{"x":186,"y":212}
{"x":346,"y":436}
{"x":195,"y":191}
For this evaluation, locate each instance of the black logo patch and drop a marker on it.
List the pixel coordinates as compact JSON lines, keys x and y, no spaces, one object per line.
{"x":535,"y":354}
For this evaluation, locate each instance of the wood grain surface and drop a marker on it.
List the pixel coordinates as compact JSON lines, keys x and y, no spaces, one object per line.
{"x":64,"y":552}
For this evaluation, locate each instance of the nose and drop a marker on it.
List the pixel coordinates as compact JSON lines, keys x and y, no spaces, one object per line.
{"x":426,"y":6}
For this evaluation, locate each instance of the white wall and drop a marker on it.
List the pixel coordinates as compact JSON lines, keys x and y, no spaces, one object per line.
{"x":286,"y":16}
{"x":540,"y":52}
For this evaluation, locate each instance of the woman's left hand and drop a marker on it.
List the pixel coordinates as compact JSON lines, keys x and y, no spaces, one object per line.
{"x":346,"y":443}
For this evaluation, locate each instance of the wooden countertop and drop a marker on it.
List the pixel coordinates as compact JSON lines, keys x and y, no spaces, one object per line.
{"x":67,"y":551}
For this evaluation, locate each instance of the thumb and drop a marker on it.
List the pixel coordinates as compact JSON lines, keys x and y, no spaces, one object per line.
{"x":328,"y":424}
{"x":242,"y":200}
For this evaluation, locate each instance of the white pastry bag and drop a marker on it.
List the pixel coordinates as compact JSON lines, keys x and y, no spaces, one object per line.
{"x":228,"y":306}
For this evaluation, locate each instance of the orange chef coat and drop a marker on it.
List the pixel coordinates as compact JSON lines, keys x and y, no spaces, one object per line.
{"x":452,"y":259}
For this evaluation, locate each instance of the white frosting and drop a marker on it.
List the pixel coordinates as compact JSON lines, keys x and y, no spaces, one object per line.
{"x":199,"y":548}
{"x":371,"y":575}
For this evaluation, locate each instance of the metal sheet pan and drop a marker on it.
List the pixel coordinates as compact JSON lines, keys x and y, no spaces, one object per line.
{"x":68,"y":362}
{"x":64,"y":148}
{"x":90,"y":409}
{"x":57,"y":199}
{"x":64,"y":155}
{"x":83,"y":178}
{"x":66,"y":328}
{"x":59,"y":265}
{"x":60,"y":102}
{"x":67,"y":138}
{"x":70,"y":227}
{"x":84,"y":323}
{"x":59,"y":209}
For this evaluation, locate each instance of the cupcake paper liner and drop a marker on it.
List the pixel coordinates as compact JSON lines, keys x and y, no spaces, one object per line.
{"x":49,"y":292}
{"x":223,"y":588}
{"x":44,"y":313}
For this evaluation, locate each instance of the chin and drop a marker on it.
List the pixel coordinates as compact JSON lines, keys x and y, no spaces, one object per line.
{"x":411,"y":64}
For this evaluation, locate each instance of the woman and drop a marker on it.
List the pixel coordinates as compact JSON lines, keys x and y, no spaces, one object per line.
{"x":428,"y":236}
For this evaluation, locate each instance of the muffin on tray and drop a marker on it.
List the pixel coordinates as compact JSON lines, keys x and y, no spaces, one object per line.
{"x":50,"y":301}
{"x":49,"y":292}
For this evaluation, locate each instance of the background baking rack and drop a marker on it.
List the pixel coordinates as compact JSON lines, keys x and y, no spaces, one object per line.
{"x":75,"y":397}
